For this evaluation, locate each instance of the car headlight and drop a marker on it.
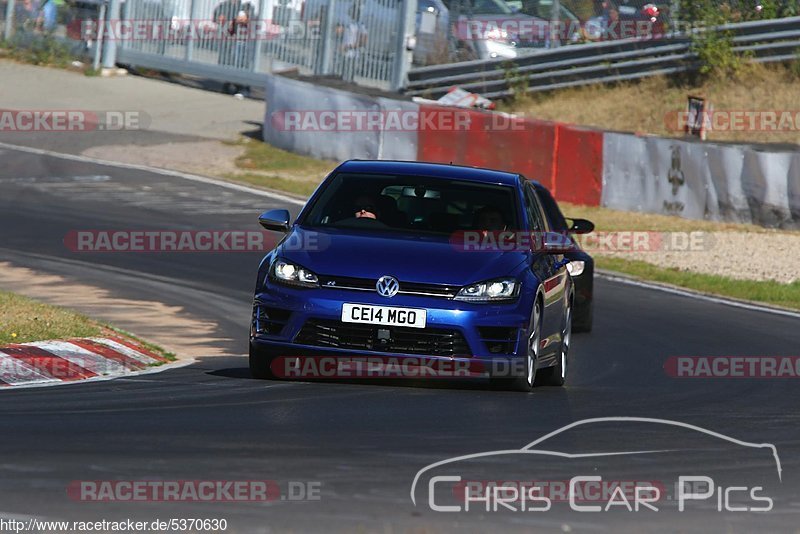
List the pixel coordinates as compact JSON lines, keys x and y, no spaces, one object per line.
{"x":497,"y":34}
{"x":575,"y":267}
{"x":489,"y":291}
{"x":292,"y":274}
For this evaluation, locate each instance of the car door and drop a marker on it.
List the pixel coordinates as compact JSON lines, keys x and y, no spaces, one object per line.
{"x":551,"y":269}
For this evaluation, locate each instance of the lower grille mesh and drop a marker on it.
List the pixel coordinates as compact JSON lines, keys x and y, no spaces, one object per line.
{"x":432,"y":342}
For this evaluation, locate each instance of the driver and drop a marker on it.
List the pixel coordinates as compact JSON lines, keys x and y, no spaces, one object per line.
{"x":365,"y":207}
{"x":490,"y":218}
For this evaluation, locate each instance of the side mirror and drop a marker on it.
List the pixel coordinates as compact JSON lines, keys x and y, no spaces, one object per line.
{"x":581,"y":226}
{"x":277,"y":220}
{"x":555,"y":243}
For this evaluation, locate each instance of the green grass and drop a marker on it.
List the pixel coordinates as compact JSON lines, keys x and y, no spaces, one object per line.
{"x":264,"y":157}
{"x":608,"y":220}
{"x":23,"y":320}
{"x":264,"y":165}
{"x":297,"y":187}
{"x":774,"y":293}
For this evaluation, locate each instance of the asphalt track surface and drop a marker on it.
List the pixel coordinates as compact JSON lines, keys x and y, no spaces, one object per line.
{"x":362,"y":442}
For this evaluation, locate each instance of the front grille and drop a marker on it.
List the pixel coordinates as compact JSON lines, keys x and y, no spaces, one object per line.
{"x":406,"y":288}
{"x":270,"y":320}
{"x":499,"y":340}
{"x":400,"y":340}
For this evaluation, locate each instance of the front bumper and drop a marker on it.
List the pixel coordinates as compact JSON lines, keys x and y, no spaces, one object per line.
{"x":286,"y":320}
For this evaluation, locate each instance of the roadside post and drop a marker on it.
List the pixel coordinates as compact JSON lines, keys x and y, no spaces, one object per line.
{"x":98,"y":42}
{"x":109,"y":45}
{"x":327,"y":36}
{"x":193,"y":30}
{"x":404,"y":47}
{"x":8,"y":27}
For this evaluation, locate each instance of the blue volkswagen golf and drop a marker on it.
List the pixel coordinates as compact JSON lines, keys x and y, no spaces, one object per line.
{"x":403,"y":260}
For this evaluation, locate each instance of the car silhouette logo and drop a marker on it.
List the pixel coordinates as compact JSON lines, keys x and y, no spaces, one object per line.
{"x":387,"y":286}
{"x":534,"y":448}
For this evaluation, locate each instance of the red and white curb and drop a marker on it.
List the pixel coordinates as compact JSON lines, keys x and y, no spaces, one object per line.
{"x":56,"y":362}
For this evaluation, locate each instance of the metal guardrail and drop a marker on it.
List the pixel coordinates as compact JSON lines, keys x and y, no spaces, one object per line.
{"x":767,"y":41}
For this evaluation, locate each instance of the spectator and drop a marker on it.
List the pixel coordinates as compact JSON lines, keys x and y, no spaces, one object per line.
{"x":25,"y":14}
{"x":354,"y":39}
{"x":47,"y":15}
{"x":235,"y":22}
{"x":224,"y":13}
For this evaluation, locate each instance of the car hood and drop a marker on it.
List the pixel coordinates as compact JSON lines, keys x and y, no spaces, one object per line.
{"x":516,"y":25}
{"x":422,"y":259}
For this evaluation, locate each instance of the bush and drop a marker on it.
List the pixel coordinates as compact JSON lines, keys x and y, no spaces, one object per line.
{"x":714,"y":47}
{"x":39,"y":50}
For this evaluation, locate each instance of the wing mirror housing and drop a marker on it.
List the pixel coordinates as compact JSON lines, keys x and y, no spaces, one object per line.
{"x":581,"y":226}
{"x":276,"y":220}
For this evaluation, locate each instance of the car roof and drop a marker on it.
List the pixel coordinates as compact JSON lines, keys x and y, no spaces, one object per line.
{"x":432,"y":170}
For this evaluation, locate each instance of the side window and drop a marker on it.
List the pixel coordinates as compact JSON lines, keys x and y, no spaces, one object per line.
{"x":540,"y":209}
{"x":537,"y":220}
{"x":552,"y":211}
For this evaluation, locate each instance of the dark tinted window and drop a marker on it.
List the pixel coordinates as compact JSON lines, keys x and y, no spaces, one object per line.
{"x":535,"y":216}
{"x":552,"y":210}
{"x":415,"y":204}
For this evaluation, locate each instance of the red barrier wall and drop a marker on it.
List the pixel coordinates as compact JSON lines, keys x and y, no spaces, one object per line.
{"x":579,"y":165}
{"x":567,"y":160}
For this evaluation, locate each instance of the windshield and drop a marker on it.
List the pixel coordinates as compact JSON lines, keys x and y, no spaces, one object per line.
{"x":490,"y":7}
{"x":483,"y":7}
{"x":413,"y":204}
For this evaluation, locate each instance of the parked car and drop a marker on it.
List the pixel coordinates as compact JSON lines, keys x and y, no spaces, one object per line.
{"x":497,"y":20}
{"x":621,"y":19}
{"x":384,"y":278}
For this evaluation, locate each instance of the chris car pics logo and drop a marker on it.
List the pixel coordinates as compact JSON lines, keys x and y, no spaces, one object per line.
{"x":446,"y":486}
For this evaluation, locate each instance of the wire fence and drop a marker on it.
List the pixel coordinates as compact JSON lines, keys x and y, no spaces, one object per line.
{"x":367,"y":42}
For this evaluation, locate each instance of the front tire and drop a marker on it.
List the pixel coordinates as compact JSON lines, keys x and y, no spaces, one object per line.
{"x":260,"y":364}
{"x":582,"y":321}
{"x":557,"y":375}
{"x":528,"y":379}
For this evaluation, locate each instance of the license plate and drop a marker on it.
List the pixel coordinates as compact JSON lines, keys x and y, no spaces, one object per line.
{"x":383,"y":315}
